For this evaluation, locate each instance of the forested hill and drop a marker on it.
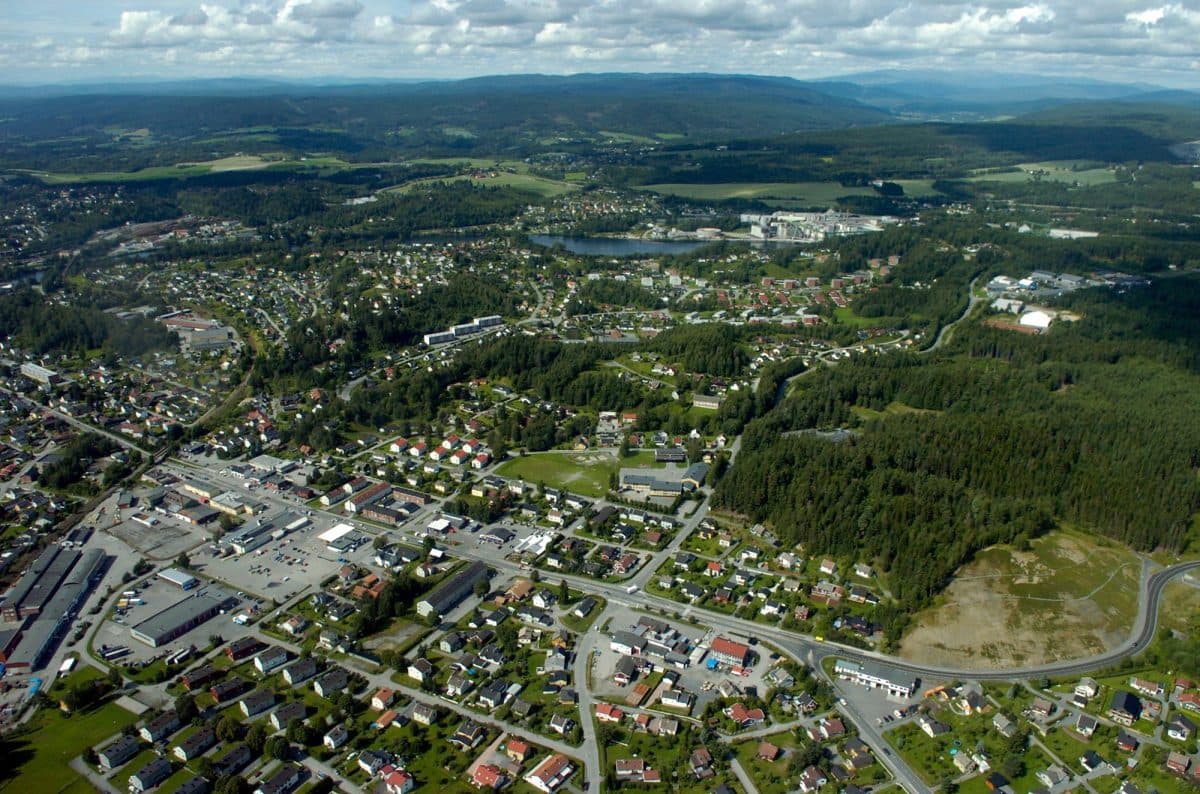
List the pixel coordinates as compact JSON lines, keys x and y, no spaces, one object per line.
{"x":504,"y":109}
{"x":995,"y":440}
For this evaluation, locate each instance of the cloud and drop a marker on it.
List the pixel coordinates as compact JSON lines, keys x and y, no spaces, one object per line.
{"x":423,"y":38}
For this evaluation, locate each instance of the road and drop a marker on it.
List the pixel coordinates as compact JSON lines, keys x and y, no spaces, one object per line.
{"x":972,"y":301}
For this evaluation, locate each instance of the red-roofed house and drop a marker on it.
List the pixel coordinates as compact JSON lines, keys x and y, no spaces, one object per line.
{"x":551,"y":773}
{"x":489,"y":776}
{"x":399,"y":782}
{"x":606,"y":712}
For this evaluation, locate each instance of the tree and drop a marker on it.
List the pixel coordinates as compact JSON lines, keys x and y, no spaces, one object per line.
{"x":481,"y":588}
{"x":380,"y":541}
{"x":228,"y":728}
{"x":278,"y":747}
{"x":256,"y":738}
{"x":564,"y":591}
{"x":90,"y":757}
{"x":231,"y":784}
{"x":299,"y":733}
{"x":183,"y":562}
{"x":205,"y":768}
{"x":185,"y":708}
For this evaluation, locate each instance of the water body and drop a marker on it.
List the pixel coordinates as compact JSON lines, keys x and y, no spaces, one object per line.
{"x":617,"y":246}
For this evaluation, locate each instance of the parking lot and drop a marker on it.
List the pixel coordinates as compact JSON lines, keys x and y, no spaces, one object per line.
{"x":697,"y":678}
{"x":151,"y":598}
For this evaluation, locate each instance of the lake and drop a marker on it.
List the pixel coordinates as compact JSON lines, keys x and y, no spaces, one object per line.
{"x":617,"y":246}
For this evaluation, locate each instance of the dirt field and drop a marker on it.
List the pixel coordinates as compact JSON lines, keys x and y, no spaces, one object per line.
{"x":1068,"y":596}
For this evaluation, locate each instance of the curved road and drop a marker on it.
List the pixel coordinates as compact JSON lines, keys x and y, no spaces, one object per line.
{"x":972,"y":302}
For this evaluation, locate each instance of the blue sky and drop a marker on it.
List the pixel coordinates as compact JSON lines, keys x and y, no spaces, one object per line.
{"x":74,"y":40}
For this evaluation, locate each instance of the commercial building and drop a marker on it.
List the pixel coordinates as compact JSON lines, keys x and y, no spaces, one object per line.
{"x":898,"y":683}
{"x":451,"y":592}
{"x":181,"y":579}
{"x":727,"y":651}
{"x":179,"y":618}
{"x":53,"y":609}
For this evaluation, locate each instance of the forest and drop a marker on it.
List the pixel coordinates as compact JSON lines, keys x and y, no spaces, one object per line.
{"x":51,"y":329}
{"x":997,"y":439}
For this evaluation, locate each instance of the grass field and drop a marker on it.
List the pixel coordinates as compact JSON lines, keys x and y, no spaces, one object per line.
{"x":586,"y":473}
{"x":797,"y":192}
{"x":1068,"y":171}
{"x":1069,"y":595}
{"x":249,"y":162}
{"x":43,"y":752}
{"x":546,"y":188}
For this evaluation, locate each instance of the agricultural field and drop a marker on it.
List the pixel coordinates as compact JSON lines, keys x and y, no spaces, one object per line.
{"x":1067,"y":171}
{"x":249,"y":162}
{"x":1011,"y":608}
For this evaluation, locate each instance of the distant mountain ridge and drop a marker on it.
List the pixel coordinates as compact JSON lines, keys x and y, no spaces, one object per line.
{"x":693,"y":105}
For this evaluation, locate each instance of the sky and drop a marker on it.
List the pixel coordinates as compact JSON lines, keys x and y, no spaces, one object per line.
{"x":95,"y":40}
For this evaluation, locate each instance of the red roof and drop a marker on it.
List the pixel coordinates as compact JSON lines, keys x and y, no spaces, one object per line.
{"x":727,"y":647}
{"x":487,"y":775}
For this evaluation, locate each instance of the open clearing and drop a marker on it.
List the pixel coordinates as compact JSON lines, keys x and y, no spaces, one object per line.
{"x":43,"y":752}
{"x":585,"y":473}
{"x":817,"y":193}
{"x":1071,"y":595}
{"x":1068,"y":171}
{"x":546,"y":188}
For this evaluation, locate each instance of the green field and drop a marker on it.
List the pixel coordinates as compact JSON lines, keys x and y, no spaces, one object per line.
{"x":586,"y":473}
{"x":43,"y":751}
{"x":1068,"y":171}
{"x":182,"y":170}
{"x":794,"y":192}
{"x":546,"y":188}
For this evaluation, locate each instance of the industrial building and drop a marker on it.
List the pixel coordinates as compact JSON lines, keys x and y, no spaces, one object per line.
{"x":181,"y":579}
{"x":180,"y":618}
{"x":451,"y":592}
{"x":51,"y":593}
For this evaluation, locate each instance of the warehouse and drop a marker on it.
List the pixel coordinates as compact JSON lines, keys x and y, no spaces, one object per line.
{"x":451,"y":592}
{"x":181,"y":579}
{"x":34,"y":590}
{"x":41,"y":636}
{"x":179,"y":618}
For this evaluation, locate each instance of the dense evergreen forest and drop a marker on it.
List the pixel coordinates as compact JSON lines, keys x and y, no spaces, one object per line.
{"x":994,"y":440}
{"x":52,"y":329}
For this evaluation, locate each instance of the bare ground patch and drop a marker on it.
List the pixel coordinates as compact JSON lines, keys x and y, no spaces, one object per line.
{"x":1068,"y":596}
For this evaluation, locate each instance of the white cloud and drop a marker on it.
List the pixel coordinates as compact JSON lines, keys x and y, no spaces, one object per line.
{"x":412,"y":38}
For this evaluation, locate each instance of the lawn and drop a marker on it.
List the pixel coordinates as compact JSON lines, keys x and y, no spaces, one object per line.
{"x":583,"y":624}
{"x":43,"y":752}
{"x":586,"y":473}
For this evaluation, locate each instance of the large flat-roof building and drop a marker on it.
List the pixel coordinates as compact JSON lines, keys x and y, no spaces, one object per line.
{"x":179,"y":618}
{"x":877,"y":676}
{"x":451,"y":592}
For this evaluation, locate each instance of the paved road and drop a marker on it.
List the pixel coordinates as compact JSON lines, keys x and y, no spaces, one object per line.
{"x":584,"y":654}
{"x":745,"y":779}
{"x":972,"y":301}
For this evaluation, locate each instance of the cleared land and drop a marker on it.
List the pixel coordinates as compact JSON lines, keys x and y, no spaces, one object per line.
{"x":181,"y":170}
{"x":1070,"y":595}
{"x":586,"y":473}
{"x":1068,"y":171}
{"x":796,"y":192}
{"x":546,"y":188}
